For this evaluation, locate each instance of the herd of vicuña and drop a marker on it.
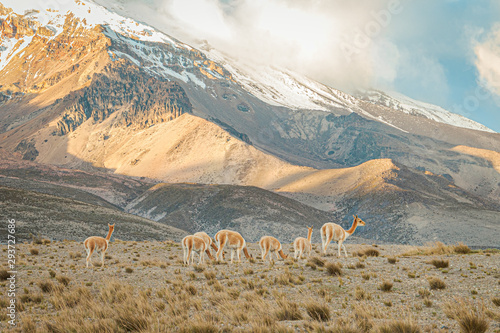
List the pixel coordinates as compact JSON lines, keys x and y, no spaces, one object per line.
{"x":200,"y":242}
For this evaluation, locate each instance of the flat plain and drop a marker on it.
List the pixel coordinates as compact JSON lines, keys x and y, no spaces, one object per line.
{"x":145,"y":287}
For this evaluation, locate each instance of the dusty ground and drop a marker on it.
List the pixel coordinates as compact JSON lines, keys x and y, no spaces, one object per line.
{"x":250,"y":296}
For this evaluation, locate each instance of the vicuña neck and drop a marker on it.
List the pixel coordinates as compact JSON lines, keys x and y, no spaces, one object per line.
{"x":353,"y":227}
{"x":309,"y":235}
{"x":108,"y":237}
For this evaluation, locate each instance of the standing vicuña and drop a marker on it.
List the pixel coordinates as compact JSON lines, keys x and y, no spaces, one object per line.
{"x":269,"y":243}
{"x":193,"y":243}
{"x":234,"y":241}
{"x":301,"y":244}
{"x":332,"y":231}
{"x":98,"y":243}
{"x":208,"y":240}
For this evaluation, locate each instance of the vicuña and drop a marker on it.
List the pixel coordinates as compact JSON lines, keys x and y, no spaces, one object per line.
{"x":332,"y":231}
{"x":301,"y":244}
{"x":232,"y":240}
{"x":208,"y":240}
{"x":269,"y":243}
{"x":193,"y":243}
{"x":99,"y":244}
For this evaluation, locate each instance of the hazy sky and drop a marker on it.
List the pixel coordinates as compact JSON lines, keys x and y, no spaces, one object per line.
{"x":445,"y":52}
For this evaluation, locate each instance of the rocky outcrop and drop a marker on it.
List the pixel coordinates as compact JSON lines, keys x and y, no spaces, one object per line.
{"x":27,"y":149}
{"x":142,"y":99}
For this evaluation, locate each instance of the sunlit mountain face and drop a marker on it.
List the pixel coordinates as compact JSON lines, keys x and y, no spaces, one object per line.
{"x":90,"y":91}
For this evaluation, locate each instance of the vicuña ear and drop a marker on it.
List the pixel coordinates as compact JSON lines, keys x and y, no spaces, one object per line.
{"x":354,"y":216}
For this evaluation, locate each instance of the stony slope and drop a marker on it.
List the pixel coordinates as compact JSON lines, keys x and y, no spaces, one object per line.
{"x":59,"y":218}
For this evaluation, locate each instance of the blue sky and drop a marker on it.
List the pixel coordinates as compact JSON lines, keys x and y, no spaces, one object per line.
{"x":446,"y":33}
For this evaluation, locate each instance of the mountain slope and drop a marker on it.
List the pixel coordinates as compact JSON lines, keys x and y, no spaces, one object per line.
{"x":60,"y":218}
{"x":91,"y":90}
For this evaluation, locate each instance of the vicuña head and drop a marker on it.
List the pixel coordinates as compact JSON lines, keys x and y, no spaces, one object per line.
{"x":332,"y":231}
{"x":99,"y":244}
{"x":208,"y":241}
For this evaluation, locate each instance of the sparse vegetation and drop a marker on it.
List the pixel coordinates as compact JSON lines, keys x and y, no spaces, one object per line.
{"x":436,"y":283}
{"x":334,"y":269}
{"x":399,"y":326}
{"x":4,"y":275}
{"x":438,"y":263}
{"x":385,"y":286}
{"x":317,"y":261}
{"x":318,"y":311}
{"x":34,"y":251}
{"x":161,"y":294}
{"x":471,"y":319}
{"x":287,"y":310}
{"x":438,"y":248}
{"x":392,"y":260}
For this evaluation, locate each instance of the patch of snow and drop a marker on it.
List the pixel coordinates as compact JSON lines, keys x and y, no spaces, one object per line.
{"x":193,"y":78}
{"x":400,"y":102}
{"x":9,"y":47}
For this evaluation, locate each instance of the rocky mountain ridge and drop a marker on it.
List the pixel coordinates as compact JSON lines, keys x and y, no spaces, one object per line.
{"x":96,"y":91}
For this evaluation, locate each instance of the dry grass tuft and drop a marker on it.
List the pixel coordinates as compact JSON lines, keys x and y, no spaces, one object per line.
{"x":210,"y":275}
{"x":438,"y":248}
{"x":317,"y":311}
{"x":198,"y":327}
{"x":438,"y":263}
{"x":334,"y":269}
{"x":496,"y":301}
{"x":48,"y":286}
{"x":470,"y":319}
{"x":370,"y":252}
{"x":385,"y":286}
{"x":4,"y":275}
{"x":436,"y":283}
{"x":461,"y":248}
{"x":34,"y":251}
{"x":287,"y":310}
{"x":64,"y":280}
{"x":399,"y":326}
{"x":316,"y":261}
{"x":392,"y":260}
{"x":361,"y":294}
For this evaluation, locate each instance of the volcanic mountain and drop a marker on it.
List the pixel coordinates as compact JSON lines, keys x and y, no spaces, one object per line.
{"x":83,"y":88}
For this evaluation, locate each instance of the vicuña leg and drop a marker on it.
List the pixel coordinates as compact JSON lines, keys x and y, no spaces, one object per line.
{"x":345,"y":251}
{"x":264,"y":254}
{"x":328,"y":240}
{"x":102,"y":258}
{"x":89,"y":256}
{"x":220,"y":252}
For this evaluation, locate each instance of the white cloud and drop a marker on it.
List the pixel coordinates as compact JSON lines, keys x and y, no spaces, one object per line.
{"x":331,"y":41}
{"x":488,"y":59}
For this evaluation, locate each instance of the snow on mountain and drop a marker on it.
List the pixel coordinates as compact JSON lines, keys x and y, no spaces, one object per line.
{"x":400,"y":102}
{"x":282,"y":87}
{"x":91,"y":14}
{"x":155,"y":51}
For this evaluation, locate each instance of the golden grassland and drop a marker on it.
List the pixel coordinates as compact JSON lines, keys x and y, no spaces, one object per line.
{"x":144,"y":287}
